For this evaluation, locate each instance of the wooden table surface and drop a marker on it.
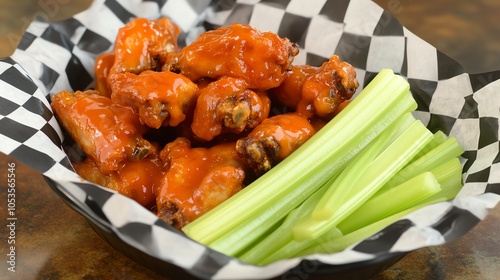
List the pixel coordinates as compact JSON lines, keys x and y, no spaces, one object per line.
{"x":55,"y":242}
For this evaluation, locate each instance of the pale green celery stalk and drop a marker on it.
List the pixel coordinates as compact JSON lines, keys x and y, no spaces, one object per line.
{"x":281,"y":243}
{"x":294,"y":247}
{"x":449,"y":176}
{"x":231,"y":242}
{"x":282,"y":235}
{"x":388,"y":163}
{"x":445,"y":151}
{"x":339,"y":189}
{"x":397,"y":199}
{"x":273,"y":195}
{"x":438,"y":138}
{"x":399,"y":126}
{"x":328,"y":245}
{"x":332,"y":241}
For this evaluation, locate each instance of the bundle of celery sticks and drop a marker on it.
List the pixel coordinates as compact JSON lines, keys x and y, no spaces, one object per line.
{"x":369,"y":166}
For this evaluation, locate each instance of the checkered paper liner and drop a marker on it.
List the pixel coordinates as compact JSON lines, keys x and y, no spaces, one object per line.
{"x":57,"y":56}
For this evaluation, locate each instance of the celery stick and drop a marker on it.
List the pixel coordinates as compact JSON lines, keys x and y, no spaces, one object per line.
{"x":236,"y":240}
{"x":399,"y":126}
{"x":448,"y":194}
{"x":445,"y":151}
{"x":449,"y":176}
{"x":438,"y":138}
{"x":272,"y":196}
{"x":401,"y":197}
{"x":390,"y":161}
{"x":332,"y":241}
{"x":282,"y":238}
{"x":328,"y":245}
{"x":282,"y":235}
{"x":338,"y":191}
{"x":231,"y":242}
{"x":293,"y":248}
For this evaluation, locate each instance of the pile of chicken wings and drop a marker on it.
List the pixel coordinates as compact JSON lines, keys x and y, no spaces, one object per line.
{"x":180,"y":130}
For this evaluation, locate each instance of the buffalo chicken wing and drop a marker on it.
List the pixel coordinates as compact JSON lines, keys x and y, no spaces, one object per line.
{"x":197,"y":180}
{"x":289,"y":93}
{"x":138,"y":180}
{"x":318,"y":91}
{"x":108,"y":132}
{"x":273,"y":140}
{"x":144,"y":44}
{"x":102,"y":69}
{"x":239,"y":51}
{"x":160,"y":98}
{"x":226,"y":105}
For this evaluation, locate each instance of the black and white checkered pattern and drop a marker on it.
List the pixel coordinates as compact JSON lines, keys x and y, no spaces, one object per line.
{"x":53,"y":57}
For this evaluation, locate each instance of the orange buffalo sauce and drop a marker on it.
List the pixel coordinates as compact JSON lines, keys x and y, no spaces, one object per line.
{"x":102,"y":69}
{"x":197,"y":179}
{"x":239,"y":51}
{"x":107,"y":132}
{"x":144,"y":44}
{"x":138,"y":180}
{"x":159,"y":98}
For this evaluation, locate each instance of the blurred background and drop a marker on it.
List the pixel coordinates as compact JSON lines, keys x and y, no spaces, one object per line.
{"x":467,"y":31}
{"x":16,"y":15}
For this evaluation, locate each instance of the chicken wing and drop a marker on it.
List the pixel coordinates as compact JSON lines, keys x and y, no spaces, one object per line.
{"x":138,"y":180}
{"x":289,"y":93}
{"x":273,"y":140}
{"x":226,"y":105}
{"x":159,"y":98}
{"x":239,"y":51}
{"x":102,"y":68}
{"x":144,"y":44}
{"x":107,"y":132}
{"x":197,"y":180}
{"x":313,"y":91}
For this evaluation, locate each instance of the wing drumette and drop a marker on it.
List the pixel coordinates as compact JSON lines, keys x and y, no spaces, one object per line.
{"x":102,"y":69}
{"x":107,"y":132}
{"x":273,"y":140}
{"x":239,"y":51}
{"x":144,"y":44}
{"x":226,"y":105}
{"x":159,"y":98}
{"x":197,"y":180}
{"x":318,"y":91}
{"x":289,"y":93}
{"x":138,"y":180}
